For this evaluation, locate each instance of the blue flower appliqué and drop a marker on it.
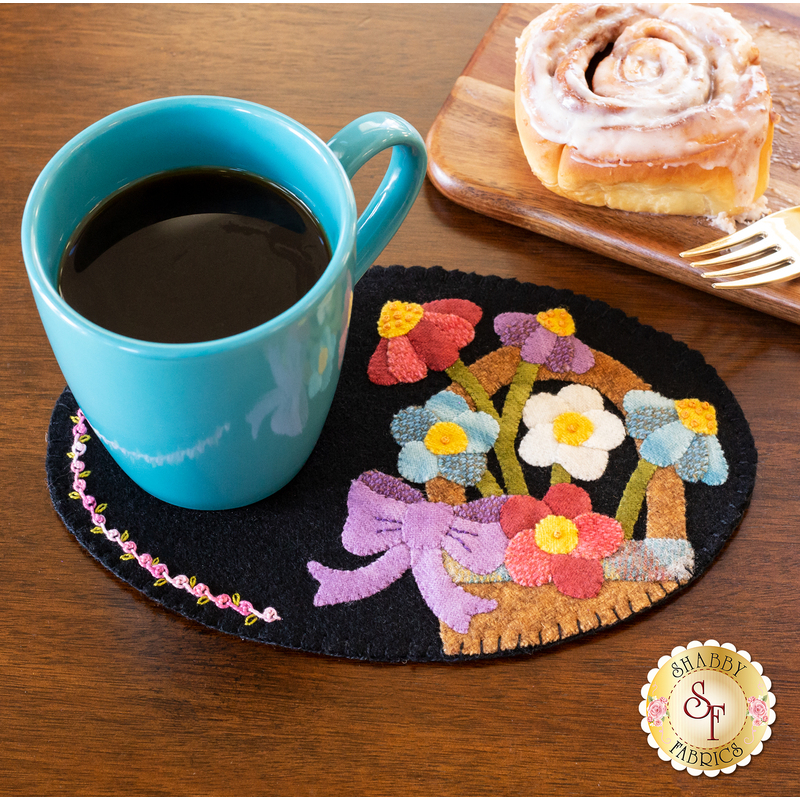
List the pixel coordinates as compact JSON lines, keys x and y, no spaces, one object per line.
{"x":679,"y":433}
{"x":444,"y":437}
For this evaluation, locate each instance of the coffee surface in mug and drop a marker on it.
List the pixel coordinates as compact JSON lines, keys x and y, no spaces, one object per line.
{"x":192,"y":255}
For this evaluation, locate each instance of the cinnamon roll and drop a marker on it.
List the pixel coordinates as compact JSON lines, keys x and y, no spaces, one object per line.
{"x":645,"y":107}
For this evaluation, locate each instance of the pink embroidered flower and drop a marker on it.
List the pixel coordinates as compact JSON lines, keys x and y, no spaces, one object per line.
{"x":656,"y":711}
{"x":416,"y":338}
{"x":545,"y":338}
{"x":559,"y":539}
{"x":758,"y":711}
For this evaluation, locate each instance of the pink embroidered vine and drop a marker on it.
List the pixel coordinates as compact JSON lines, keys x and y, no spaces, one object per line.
{"x":145,"y":560}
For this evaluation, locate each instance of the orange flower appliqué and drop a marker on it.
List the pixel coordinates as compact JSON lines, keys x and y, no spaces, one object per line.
{"x":416,"y":338}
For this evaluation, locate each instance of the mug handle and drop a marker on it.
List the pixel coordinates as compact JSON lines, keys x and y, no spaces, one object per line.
{"x":357,"y":143}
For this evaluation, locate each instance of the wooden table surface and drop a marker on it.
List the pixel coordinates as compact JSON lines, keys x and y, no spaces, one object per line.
{"x":104,"y":692}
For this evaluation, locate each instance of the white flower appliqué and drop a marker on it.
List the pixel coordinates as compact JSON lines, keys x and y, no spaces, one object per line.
{"x":571,"y":428}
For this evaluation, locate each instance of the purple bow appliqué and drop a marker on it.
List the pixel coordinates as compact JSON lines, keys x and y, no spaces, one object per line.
{"x":411,"y":533}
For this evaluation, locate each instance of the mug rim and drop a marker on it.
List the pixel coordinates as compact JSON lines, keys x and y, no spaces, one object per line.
{"x":38,"y":275}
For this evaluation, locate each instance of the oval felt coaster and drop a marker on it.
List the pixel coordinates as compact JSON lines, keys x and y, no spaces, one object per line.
{"x":505,"y":466}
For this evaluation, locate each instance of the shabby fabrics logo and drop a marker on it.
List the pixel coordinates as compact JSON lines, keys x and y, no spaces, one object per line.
{"x":707,"y":708}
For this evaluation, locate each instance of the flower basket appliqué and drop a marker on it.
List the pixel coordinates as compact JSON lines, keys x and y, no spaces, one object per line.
{"x":538,"y":497}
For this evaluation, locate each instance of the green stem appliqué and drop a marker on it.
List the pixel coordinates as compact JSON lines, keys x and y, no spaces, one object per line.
{"x":488,"y":485}
{"x":630,"y":506}
{"x":462,"y":374}
{"x":559,"y":475}
{"x":518,"y":393}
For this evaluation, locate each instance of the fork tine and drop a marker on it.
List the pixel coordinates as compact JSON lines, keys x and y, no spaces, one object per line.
{"x":740,"y":237}
{"x":759,"y":248}
{"x":791,"y":270}
{"x":770,"y":261}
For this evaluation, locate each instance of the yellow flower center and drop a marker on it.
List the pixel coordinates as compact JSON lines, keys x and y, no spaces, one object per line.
{"x":556,"y":534}
{"x":323,"y":360}
{"x":558,"y":321}
{"x":446,"y":439}
{"x":398,"y":318}
{"x":572,"y":428}
{"x":697,"y":416}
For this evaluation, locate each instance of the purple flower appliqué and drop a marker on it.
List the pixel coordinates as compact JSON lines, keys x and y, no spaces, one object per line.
{"x":546,"y":338}
{"x":385,"y":516}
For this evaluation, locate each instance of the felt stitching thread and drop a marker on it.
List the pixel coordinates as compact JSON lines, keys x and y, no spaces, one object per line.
{"x":158,"y":570}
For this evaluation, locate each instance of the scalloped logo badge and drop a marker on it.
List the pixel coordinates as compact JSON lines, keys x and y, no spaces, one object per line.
{"x":707,"y":708}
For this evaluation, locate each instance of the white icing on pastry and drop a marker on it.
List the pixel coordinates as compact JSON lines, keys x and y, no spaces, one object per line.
{"x":678,"y":81}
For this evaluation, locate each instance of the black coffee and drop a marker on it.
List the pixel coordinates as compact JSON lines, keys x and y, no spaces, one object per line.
{"x":192,"y":255}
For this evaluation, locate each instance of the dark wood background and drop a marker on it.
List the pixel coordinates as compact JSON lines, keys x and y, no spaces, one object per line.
{"x":104,"y":692}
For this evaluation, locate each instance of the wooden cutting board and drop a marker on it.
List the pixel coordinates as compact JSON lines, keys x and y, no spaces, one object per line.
{"x":475,"y":159}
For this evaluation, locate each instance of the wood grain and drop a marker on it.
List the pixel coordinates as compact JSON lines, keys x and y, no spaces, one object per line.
{"x":102,"y":692}
{"x":477,"y":160}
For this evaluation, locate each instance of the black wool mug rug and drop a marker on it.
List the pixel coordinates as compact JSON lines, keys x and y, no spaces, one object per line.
{"x":505,"y":467}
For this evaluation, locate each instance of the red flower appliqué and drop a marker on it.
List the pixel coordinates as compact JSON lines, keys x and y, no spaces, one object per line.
{"x":416,"y":338}
{"x":559,"y":539}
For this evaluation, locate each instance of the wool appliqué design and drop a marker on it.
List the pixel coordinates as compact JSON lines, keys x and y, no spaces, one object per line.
{"x":504,"y":467}
{"x":510,"y":567}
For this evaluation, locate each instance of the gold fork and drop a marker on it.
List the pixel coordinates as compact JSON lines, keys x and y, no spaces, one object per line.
{"x":769,"y":249}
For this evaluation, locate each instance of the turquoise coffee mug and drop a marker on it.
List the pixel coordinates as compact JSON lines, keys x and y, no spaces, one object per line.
{"x":223,"y":423}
